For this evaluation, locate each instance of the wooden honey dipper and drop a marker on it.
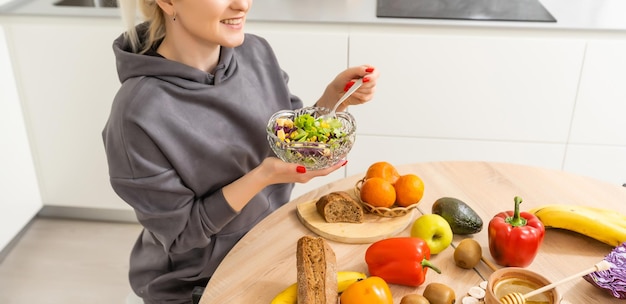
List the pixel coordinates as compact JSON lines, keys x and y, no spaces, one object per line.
{"x":518,"y":298}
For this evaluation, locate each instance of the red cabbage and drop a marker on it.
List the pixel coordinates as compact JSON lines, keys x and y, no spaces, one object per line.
{"x":614,"y":279}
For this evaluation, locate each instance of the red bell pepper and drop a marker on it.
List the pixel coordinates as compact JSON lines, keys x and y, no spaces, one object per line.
{"x":515,"y":237}
{"x":399,"y":260}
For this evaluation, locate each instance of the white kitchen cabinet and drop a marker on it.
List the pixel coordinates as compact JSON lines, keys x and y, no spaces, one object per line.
{"x":478,"y":87}
{"x":479,"y":97}
{"x":603,"y":162}
{"x":599,"y":117}
{"x":373,"y":148}
{"x":18,"y":181}
{"x":598,"y":137}
{"x":67,"y":81}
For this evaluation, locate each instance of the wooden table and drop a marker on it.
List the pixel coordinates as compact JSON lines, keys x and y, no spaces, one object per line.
{"x":263,"y":263}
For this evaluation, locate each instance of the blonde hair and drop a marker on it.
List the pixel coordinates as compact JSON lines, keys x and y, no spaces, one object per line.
{"x":154,"y":17}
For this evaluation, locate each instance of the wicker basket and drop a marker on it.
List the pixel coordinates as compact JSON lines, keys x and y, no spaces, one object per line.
{"x":394,"y":211}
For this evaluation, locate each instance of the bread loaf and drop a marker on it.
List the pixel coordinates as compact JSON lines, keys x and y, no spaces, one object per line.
{"x":317,"y":271}
{"x":339,"y":206}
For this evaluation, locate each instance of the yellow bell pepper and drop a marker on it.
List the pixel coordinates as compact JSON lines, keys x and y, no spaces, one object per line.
{"x":372,"y":290}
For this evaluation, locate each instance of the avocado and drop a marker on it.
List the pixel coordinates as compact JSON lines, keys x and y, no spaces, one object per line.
{"x":461,"y":217}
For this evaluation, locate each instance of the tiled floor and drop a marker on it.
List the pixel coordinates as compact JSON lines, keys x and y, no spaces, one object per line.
{"x":67,"y":262}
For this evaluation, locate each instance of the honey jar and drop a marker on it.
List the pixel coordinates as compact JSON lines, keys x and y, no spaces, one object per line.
{"x":516,"y":279}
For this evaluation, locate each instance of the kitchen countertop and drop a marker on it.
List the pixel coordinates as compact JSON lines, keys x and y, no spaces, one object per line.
{"x":600,"y":15}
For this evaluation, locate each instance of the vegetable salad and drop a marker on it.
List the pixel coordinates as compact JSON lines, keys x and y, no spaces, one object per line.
{"x":313,"y":142}
{"x":306,"y":128}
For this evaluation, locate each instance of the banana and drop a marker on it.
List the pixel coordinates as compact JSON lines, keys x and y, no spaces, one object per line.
{"x":344,"y":279}
{"x":604,"y":225}
{"x":610,"y":215}
{"x":287,"y":296}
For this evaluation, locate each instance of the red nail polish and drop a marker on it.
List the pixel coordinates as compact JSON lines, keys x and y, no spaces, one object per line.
{"x":301,"y":169}
{"x":348,"y":85}
{"x":344,"y":163}
{"x":369,"y":70}
{"x":366,"y":79}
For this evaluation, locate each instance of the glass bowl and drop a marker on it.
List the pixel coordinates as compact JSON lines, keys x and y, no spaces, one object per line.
{"x":313,"y":155}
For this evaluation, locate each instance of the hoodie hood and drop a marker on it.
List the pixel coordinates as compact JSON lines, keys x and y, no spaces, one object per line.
{"x":130,"y":64}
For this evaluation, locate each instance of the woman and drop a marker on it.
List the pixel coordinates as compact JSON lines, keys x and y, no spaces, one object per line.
{"x":186,"y":142}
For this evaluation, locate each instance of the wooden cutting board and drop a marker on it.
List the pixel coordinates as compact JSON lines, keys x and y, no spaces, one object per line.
{"x":373,"y":228}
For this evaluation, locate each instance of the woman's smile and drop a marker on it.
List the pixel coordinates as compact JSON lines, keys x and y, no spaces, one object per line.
{"x":235,"y":21}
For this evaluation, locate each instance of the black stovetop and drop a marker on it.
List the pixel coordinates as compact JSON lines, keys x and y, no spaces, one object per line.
{"x":484,"y":10}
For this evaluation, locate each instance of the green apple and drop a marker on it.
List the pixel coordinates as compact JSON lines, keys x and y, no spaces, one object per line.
{"x":433,"y":229}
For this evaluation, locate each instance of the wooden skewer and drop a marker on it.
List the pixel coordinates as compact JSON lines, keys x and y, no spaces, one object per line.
{"x":517,"y":298}
{"x":488,"y":263}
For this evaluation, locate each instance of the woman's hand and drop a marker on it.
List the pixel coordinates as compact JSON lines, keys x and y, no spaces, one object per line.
{"x":278,"y":171}
{"x":344,"y":81}
{"x":271,"y":171}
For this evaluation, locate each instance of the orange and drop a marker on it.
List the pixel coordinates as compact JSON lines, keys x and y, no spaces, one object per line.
{"x":383,"y":170}
{"x":409,"y":190}
{"x":378,"y":192}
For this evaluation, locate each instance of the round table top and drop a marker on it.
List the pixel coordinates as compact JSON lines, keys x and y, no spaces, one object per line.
{"x":263,"y":262}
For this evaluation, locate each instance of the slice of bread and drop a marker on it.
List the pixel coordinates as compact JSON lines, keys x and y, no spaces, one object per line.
{"x":339,"y":207}
{"x":317,"y":271}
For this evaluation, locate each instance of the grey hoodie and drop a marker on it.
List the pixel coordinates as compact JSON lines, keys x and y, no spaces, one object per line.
{"x":175,"y":136}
